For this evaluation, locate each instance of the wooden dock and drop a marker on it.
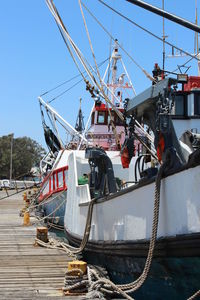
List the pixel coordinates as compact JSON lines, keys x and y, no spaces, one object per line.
{"x":27,"y":271}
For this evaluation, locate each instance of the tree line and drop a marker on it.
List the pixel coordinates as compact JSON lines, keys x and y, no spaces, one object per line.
{"x":21,"y":153}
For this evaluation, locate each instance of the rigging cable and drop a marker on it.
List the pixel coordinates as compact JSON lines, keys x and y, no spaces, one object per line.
{"x":121,"y":47}
{"x":100,"y":79}
{"x":78,"y":53}
{"x":137,"y":123}
{"x":64,"y":92}
{"x":69,"y":80}
{"x":59,"y":85}
{"x":75,"y":84}
{"x":185,"y":63}
{"x":147,"y":31}
{"x":110,"y":53}
{"x":63,"y":31}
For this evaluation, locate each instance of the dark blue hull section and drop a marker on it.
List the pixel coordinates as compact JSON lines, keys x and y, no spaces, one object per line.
{"x":54,"y":208}
{"x":175,"y":269}
{"x":168,"y":279}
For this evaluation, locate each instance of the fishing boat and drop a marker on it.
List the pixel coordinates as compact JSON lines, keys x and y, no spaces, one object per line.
{"x":54,"y":166}
{"x":123,"y":221}
{"x":146,"y":231}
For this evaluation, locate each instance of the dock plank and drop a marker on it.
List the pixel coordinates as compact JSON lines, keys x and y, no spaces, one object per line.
{"x":27,"y":271}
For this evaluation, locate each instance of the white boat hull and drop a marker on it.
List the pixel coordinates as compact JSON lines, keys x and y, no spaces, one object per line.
{"x":127,"y":215}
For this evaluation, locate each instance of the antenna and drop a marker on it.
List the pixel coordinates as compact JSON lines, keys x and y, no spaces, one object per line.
{"x":197,"y":38}
{"x":196,"y":45}
{"x":196,"y":34}
{"x":163,"y":7}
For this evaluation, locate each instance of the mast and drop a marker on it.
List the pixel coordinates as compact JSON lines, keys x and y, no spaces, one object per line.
{"x":117,"y":84}
{"x":163,"y":38}
{"x":197,"y":38}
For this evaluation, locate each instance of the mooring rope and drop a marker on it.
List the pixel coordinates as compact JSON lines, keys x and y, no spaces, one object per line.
{"x":133,"y":286}
{"x":195,"y":295}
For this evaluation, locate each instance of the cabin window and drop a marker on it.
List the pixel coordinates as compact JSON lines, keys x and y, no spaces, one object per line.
{"x":101,"y":117}
{"x":55,"y":181}
{"x":65,"y":177}
{"x":92,"y":118}
{"x":60,"y":179}
{"x":197,"y":104}
{"x":46,"y":189}
{"x":52,"y":184}
{"x":179,"y":105}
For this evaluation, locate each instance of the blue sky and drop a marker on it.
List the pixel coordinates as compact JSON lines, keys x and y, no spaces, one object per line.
{"x":34,"y":58}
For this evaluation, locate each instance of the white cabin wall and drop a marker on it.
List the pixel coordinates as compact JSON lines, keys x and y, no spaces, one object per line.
{"x":75,"y":195}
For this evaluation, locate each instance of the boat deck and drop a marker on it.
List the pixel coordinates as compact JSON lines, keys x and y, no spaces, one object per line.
{"x":27,"y":271}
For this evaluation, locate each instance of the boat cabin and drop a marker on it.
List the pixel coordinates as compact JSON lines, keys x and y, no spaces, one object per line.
{"x":100,"y":132}
{"x":186,"y":110}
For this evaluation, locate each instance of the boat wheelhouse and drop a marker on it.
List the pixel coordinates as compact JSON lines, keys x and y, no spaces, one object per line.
{"x":186,"y":110}
{"x":100,"y":132}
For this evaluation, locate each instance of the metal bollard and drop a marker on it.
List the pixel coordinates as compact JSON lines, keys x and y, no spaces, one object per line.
{"x":26,"y":218}
{"x":42,"y":234}
{"x":77,"y":264}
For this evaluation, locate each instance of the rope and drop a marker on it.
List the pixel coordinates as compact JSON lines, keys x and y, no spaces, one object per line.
{"x":47,"y":216}
{"x":62,"y":29}
{"x":47,"y":200}
{"x":75,"y":84}
{"x":54,"y":244}
{"x":121,"y":47}
{"x":86,"y":231}
{"x":68,"y":248}
{"x":98,"y":73}
{"x":64,"y":92}
{"x":131,"y":287}
{"x":147,"y":31}
{"x":77,"y":282}
{"x":21,"y":190}
{"x":81,"y":58}
{"x":79,"y":55}
{"x":195,"y":295}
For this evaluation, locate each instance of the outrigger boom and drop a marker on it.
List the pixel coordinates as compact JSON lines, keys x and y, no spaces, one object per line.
{"x":166,"y":15}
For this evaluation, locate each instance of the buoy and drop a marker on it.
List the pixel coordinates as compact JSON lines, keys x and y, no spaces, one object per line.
{"x":42,"y":234}
{"x":26,"y":218}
